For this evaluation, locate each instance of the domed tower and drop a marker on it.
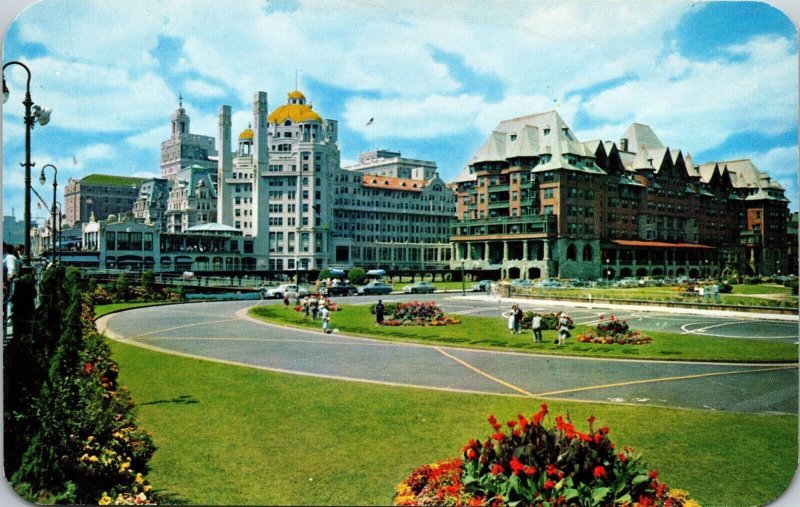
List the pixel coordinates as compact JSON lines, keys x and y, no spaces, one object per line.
{"x":183,"y":148}
{"x":303,"y":155}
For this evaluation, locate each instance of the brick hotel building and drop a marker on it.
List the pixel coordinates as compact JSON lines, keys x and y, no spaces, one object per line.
{"x":535,"y":202}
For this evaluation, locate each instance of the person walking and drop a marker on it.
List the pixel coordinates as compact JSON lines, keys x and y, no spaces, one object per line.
{"x":511,"y":316}
{"x":715,"y":291}
{"x":536,"y":326}
{"x":314,"y":302}
{"x":306,"y":307}
{"x":517,"y":320}
{"x":563,"y":328}
{"x":11,"y":265}
{"x":379,"y":313}
{"x":326,"y":319}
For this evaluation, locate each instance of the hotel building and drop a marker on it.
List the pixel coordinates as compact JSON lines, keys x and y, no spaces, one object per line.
{"x":535,"y":202}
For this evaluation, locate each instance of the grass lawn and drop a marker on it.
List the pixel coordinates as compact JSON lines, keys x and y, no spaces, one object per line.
{"x":236,"y":435}
{"x":101,"y":310}
{"x":763,"y":288}
{"x":486,"y":332}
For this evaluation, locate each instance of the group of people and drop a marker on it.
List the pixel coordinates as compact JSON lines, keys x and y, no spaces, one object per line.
{"x":318,"y":307}
{"x":706,"y":292}
{"x":515,"y":325}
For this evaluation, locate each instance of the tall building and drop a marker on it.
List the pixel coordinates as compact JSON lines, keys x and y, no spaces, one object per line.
{"x":13,"y":230}
{"x":184,"y":149}
{"x":101,"y":194}
{"x":534,"y":201}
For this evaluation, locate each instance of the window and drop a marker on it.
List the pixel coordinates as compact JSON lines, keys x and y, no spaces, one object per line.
{"x":587,"y":253}
{"x":548,"y":210}
{"x":548,"y":193}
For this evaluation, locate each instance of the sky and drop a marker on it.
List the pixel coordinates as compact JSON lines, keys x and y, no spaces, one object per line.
{"x":714,"y":79}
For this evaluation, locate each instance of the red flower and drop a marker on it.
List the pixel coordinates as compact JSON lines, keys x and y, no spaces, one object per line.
{"x":605,"y":430}
{"x":591,"y":420}
{"x":511,"y":423}
{"x":530,"y":470}
{"x":598,"y":437}
{"x":660,"y":490}
{"x":645,"y":501}
{"x":549,"y":484}
{"x":471,"y":453}
{"x":497,"y":469}
{"x":622,"y":457}
{"x":600,"y":472}
{"x":551,"y":470}
{"x":584,"y":437}
{"x":492,"y":420}
{"x":87,"y":368}
{"x":516,"y":466}
{"x":499,"y":436}
{"x":653,"y":474}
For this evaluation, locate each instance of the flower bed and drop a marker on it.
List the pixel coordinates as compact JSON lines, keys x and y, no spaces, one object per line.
{"x":613,"y":331}
{"x":414,"y":313}
{"x":532,"y":465}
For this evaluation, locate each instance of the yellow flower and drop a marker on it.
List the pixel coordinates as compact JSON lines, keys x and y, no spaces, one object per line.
{"x":691,"y":503}
{"x":117,"y":435}
{"x":106,"y":500}
{"x":89,"y":438}
{"x":124,"y":466}
{"x":93,"y":458}
{"x":139,"y":478}
{"x":147,"y":488}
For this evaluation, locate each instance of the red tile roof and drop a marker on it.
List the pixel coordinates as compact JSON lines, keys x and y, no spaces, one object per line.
{"x":657,"y":244}
{"x":389,"y":183}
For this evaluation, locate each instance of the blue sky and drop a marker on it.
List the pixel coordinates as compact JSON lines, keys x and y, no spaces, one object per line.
{"x":715,"y":79}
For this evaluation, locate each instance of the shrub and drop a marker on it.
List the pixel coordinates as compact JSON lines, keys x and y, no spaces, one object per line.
{"x":356,"y":276}
{"x":388,"y":308}
{"x":415,"y":313}
{"x":725,"y":287}
{"x":549,"y":320}
{"x":792,"y":284}
{"x":533,"y":465}
{"x":122,"y":290}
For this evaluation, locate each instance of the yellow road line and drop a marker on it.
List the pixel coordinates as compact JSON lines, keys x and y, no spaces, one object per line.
{"x":664,"y":379}
{"x":483,"y":373}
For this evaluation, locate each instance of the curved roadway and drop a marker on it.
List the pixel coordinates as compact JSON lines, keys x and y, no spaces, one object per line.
{"x":222,"y":331}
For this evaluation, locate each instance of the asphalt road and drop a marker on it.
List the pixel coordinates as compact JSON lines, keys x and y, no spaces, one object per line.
{"x":222,"y":331}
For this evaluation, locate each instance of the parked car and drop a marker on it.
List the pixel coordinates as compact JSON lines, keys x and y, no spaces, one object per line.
{"x":375,"y":287}
{"x":482,"y":286}
{"x":282,"y":290}
{"x":522,"y":284}
{"x":341,"y":289}
{"x":549,"y":283}
{"x":419,"y":288}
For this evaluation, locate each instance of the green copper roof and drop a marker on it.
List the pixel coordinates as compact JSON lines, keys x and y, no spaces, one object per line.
{"x":111,"y":180}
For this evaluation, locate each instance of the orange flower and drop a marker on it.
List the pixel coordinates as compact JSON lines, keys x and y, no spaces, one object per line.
{"x":600,"y":472}
{"x":497,"y":469}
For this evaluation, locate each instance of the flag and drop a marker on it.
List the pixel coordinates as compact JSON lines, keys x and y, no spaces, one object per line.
{"x":74,"y":160}
{"x":370,"y":122}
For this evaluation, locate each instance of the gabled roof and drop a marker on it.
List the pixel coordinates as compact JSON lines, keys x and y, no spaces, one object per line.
{"x":743,"y":174}
{"x":464,"y":175}
{"x":690,"y":167}
{"x":641,"y":136}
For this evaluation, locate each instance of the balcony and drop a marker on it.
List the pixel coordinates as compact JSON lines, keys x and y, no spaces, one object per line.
{"x":498,"y":188}
{"x":531,"y":224}
{"x":750,"y":238}
{"x":498,"y":204}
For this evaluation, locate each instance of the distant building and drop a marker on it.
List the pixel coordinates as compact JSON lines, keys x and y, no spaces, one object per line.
{"x":184,"y":149}
{"x":102,"y":194}
{"x":13,"y":230}
{"x":192,"y":199}
{"x":151,"y":203}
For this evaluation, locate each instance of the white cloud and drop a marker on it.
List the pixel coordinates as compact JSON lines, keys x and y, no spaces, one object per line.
{"x":150,"y":139}
{"x":203,"y":89}
{"x":696,"y":105}
{"x":434,"y":115}
{"x":100,"y":151}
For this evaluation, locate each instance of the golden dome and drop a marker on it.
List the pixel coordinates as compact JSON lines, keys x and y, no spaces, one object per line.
{"x":296,"y":110}
{"x":246,"y":134}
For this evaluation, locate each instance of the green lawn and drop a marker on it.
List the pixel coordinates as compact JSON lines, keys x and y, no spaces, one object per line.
{"x":486,"y":332}
{"x":764,"y":288}
{"x":101,"y":310}
{"x":236,"y":435}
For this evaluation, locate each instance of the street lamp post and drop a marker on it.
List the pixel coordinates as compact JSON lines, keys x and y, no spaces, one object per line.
{"x":42,"y":181}
{"x":33,"y":114}
{"x":463,"y":288}
{"x":608,"y":271}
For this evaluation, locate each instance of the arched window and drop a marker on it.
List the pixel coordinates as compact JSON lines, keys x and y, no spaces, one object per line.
{"x":305,"y":181}
{"x":287,"y":123}
{"x":588,"y":254}
{"x":571,"y":254}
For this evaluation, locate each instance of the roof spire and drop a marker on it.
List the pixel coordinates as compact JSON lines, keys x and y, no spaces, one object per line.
{"x":180,"y":99}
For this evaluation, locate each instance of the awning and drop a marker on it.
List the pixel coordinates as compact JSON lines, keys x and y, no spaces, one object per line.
{"x":336,"y":272}
{"x":376,"y":272}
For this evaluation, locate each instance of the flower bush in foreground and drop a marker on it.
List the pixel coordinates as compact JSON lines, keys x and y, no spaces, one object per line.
{"x":528,"y":464}
{"x":611,"y":331}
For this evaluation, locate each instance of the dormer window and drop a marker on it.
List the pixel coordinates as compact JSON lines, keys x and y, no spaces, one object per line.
{"x":546,"y":132}
{"x":513,"y":137}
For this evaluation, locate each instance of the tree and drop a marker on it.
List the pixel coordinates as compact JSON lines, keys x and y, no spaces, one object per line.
{"x":122,"y":291}
{"x":356,"y":276}
{"x":324,"y":274}
{"x":149,"y":282}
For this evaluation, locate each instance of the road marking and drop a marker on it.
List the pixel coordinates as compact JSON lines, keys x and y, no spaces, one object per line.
{"x":664,"y":379}
{"x":483,"y":373}
{"x":181,"y":327}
